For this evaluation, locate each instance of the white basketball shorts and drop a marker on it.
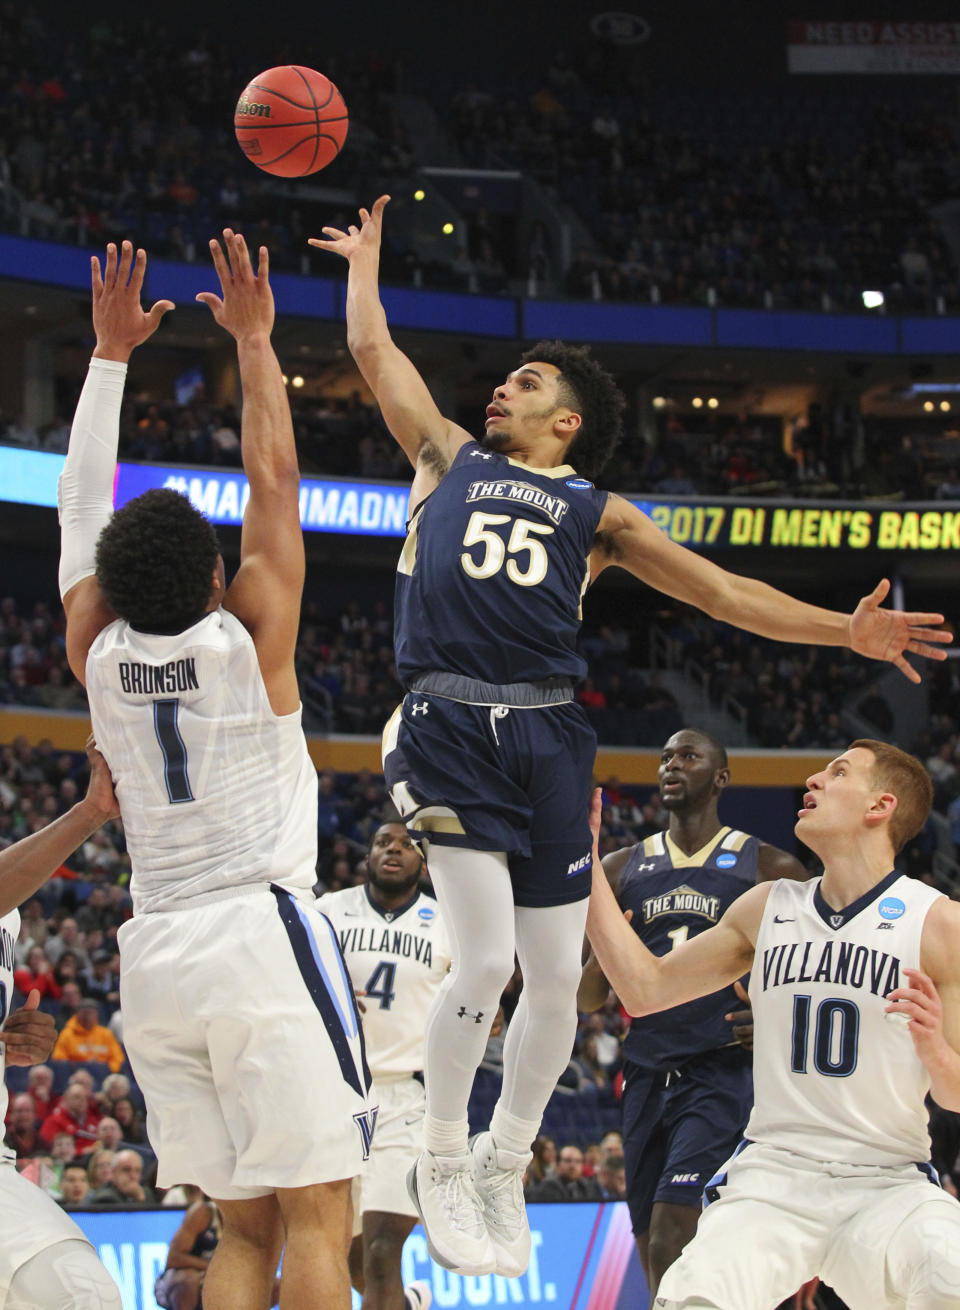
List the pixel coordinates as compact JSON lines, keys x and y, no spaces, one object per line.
{"x":30,"y":1222}
{"x":242,"y":1030}
{"x":873,"y":1233}
{"x":398,"y":1141}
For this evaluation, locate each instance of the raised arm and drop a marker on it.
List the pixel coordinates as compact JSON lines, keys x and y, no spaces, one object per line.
{"x":408,"y":409}
{"x":627,"y":537}
{"x":85,"y":489}
{"x":266,"y":592}
{"x":645,"y":982}
{"x":594,"y":986}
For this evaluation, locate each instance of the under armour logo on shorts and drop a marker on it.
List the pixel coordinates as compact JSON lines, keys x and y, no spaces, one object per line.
{"x":422,"y":708}
{"x":464,"y":1013}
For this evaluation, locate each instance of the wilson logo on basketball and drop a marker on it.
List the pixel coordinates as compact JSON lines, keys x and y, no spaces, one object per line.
{"x":251,"y":108}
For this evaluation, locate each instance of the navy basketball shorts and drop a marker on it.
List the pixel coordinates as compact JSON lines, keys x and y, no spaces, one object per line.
{"x":492,"y":778}
{"x":680,"y":1127}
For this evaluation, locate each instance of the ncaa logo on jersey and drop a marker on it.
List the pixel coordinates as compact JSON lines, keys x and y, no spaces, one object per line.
{"x":727,"y":860}
{"x":426,"y":915}
{"x":891,"y":907}
{"x":578,"y":484}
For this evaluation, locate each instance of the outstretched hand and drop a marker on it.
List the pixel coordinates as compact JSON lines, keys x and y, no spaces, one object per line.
{"x":245,"y":307}
{"x":364,"y":237}
{"x":890,"y":634}
{"x":118,"y":317}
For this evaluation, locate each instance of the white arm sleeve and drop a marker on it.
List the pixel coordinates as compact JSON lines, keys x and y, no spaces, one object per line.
{"x":85,"y":489}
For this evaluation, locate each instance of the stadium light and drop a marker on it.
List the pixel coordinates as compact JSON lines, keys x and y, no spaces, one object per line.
{"x":873,"y":300}
{"x":713,"y":403}
{"x":697,"y":402}
{"x":419,"y":194}
{"x":659,"y":402}
{"x":448,"y":229}
{"x":945,"y":406}
{"x":297,"y":380}
{"x":929,"y":406}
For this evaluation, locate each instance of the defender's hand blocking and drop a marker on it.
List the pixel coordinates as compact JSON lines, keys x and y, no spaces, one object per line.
{"x":245,"y":308}
{"x":100,"y":794}
{"x":366,"y":237}
{"x":890,"y":634}
{"x":118,"y":317}
{"x":29,"y":1033}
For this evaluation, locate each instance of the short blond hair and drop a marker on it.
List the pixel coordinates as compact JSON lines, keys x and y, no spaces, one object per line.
{"x":903,"y":775}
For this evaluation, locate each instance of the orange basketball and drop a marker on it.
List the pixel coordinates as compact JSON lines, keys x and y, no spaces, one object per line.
{"x":291,"y":121}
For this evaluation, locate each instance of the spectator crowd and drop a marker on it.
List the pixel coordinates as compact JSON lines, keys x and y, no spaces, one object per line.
{"x":767,"y":199}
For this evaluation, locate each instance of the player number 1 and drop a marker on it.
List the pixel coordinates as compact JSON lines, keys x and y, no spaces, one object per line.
{"x":678,"y":936}
{"x":165,"y":714}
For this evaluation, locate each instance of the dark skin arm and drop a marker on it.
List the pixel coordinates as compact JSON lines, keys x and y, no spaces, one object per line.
{"x":27,"y":864}
{"x":195,"y":1221}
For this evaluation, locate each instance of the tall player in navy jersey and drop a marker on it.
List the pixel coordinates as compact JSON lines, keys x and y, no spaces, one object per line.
{"x":688,"y":1083}
{"x":855,"y":987}
{"x":489,"y":757}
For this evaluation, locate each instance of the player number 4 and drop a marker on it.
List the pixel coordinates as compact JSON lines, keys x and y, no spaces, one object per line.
{"x":380,"y":985}
{"x":522,"y":540}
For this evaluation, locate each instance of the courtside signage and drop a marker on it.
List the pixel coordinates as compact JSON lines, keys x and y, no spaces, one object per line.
{"x":582,"y":1258}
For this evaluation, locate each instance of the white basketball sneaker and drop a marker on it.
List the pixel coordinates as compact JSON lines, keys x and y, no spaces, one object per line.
{"x":418,"y":1295}
{"x":498,"y":1176}
{"x":442,"y":1189}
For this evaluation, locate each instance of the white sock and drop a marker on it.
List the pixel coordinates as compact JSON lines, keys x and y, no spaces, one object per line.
{"x":442,"y":1137}
{"x":510,"y":1133}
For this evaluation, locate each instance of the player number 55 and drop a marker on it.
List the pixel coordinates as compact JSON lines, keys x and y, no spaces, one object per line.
{"x":478,"y":533}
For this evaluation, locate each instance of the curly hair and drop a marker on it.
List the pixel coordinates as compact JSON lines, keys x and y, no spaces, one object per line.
{"x":588,"y":389}
{"x":155,"y":562}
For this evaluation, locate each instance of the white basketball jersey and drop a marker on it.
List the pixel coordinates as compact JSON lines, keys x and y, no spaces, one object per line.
{"x":217,"y":792}
{"x":398,"y":959}
{"x":834,"y":1078}
{"x":9,"y":928}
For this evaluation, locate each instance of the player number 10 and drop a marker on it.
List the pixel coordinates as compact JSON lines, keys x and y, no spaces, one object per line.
{"x":521,"y":541}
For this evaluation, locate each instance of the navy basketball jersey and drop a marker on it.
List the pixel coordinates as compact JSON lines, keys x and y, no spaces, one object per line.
{"x":493,"y":569}
{"x":674,"y":896}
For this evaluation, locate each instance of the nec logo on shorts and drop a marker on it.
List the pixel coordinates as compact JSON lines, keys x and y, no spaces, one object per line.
{"x":576,"y":866}
{"x":687,"y":1180}
{"x":891,"y":907}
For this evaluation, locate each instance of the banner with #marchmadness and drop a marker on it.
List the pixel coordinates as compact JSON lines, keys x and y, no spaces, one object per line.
{"x":379,"y":509}
{"x":583,"y":1258}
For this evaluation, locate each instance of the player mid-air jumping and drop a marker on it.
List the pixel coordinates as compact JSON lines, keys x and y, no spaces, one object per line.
{"x":234,"y":993}
{"x":489,"y":757}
